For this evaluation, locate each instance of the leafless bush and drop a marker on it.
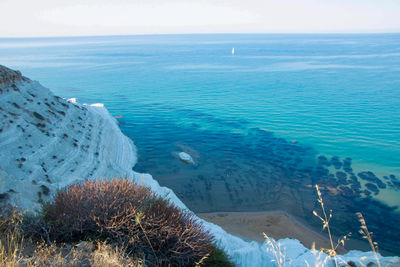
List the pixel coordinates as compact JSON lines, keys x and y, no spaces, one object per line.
{"x":130,"y":216}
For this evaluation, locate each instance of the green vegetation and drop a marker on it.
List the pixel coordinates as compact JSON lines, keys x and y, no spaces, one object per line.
{"x":218,"y":258}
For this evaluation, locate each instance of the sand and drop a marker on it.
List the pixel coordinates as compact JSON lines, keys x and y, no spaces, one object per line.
{"x":276,"y":224}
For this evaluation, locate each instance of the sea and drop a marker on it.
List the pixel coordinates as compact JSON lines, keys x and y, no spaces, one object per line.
{"x":263,"y":125}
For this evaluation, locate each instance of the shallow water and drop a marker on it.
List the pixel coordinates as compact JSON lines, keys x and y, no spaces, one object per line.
{"x":255,"y":122}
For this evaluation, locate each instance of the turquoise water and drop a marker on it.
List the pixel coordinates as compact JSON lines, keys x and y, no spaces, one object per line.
{"x":255,"y":121}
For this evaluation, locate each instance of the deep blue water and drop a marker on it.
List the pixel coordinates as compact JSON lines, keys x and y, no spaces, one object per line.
{"x":255,"y":122}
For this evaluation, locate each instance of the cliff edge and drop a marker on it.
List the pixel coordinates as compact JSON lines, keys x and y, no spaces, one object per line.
{"x":9,"y":76}
{"x":47,"y":142}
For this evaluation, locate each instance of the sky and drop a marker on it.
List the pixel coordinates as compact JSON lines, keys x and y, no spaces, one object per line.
{"x":34,"y":18}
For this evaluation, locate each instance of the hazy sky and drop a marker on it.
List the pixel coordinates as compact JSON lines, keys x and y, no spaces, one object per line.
{"x":114,"y":17}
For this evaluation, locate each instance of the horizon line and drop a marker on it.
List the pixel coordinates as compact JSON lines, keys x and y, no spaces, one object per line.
{"x":203,"y":33}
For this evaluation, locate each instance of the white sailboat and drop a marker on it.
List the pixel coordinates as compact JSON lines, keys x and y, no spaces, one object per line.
{"x":233,"y":50}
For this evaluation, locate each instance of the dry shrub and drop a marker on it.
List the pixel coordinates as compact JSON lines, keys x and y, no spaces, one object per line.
{"x":11,"y":237}
{"x":130,"y":216}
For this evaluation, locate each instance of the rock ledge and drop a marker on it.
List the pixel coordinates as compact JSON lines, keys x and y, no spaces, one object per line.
{"x":8,"y":76}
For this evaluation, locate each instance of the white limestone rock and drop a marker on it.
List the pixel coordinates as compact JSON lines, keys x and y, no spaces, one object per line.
{"x":185,"y":157}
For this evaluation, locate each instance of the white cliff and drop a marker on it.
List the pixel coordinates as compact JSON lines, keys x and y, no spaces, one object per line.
{"x":47,"y":142}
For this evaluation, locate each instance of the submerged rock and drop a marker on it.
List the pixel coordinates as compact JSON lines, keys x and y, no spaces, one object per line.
{"x":347,"y":165}
{"x":366,"y":192}
{"x":381,"y":184}
{"x":371,"y":177}
{"x":372,"y":188}
{"x":355,"y":186}
{"x":367,"y":176}
{"x":395,"y":184}
{"x":341,"y":175}
{"x":185,"y":157}
{"x":321,"y":172}
{"x":322,"y":160}
{"x":336,"y":162}
{"x":347,"y":192}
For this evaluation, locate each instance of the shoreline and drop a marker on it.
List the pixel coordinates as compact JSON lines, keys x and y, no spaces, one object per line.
{"x":277,"y":224}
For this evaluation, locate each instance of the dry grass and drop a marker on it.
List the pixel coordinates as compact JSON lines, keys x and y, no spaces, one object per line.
{"x":107,"y":256}
{"x":324,"y":256}
{"x":14,"y":250}
{"x":368,"y":235}
{"x":325,"y":219}
{"x":11,"y":241}
{"x":277,"y":250}
{"x":11,"y":246}
{"x":82,"y":254}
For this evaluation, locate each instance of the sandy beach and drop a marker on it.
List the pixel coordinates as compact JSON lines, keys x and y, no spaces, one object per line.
{"x":276,"y":224}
